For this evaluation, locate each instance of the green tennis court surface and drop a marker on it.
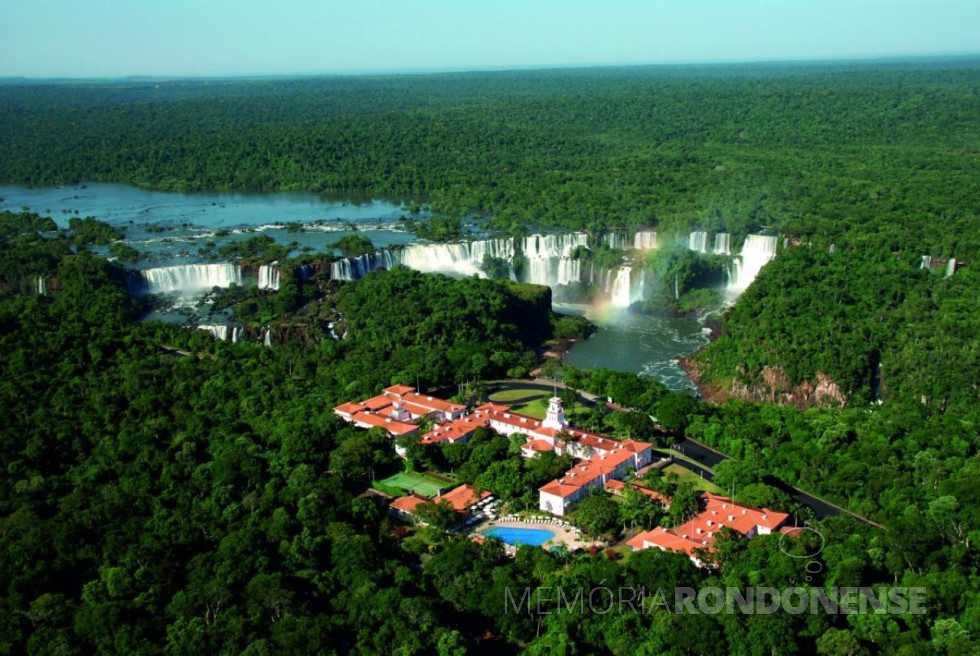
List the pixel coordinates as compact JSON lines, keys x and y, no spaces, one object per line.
{"x":414,"y":483}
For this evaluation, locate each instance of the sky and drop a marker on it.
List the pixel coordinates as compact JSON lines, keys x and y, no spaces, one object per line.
{"x":113,"y":38}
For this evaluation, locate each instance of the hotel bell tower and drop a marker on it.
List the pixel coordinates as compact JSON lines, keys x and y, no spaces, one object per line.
{"x":555,"y":417}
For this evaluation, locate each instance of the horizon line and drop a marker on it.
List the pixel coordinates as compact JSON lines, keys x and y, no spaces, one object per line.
{"x":881,"y":59}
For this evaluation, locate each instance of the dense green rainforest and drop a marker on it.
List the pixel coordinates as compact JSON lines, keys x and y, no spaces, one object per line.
{"x":163,"y":492}
{"x":886,"y":153}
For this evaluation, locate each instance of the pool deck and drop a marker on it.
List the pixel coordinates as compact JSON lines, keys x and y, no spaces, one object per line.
{"x":564,"y":533}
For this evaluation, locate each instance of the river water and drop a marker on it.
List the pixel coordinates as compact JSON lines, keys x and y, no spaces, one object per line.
{"x":170,"y":227}
{"x":638,"y":343}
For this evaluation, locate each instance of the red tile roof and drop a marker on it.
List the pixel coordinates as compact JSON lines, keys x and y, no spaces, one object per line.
{"x":390,"y":425}
{"x":615,"y":486}
{"x":432,"y":403}
{"x":619,"y":487}
{"x":377,"y":402}
{"x":701,"y":530}
{"x":399,"y":389}
{"x":490,"y":406}
{"x":348,"y":408}
{"x":653,"y":494}
{"x":561,"y":489}
{"x":603,"y":463}
{"x":408,"y":504}
{"x":738,"y":516}
{"x":464,"y":496}
{"x":457,"y":430}
{"x":539,"y":445}
{"x":668,"y":540}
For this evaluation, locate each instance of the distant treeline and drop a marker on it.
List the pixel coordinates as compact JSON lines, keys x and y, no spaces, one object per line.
{"x":886,"y":153}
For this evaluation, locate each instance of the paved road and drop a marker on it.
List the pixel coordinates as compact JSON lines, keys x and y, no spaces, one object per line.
{"x":709,"y":457}
{"x":701,"y":453}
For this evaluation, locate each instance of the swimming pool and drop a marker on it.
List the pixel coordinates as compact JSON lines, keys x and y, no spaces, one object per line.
{"x":531,"y":536}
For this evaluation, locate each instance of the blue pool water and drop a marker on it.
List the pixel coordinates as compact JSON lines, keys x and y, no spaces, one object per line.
{"x":531,"y":536}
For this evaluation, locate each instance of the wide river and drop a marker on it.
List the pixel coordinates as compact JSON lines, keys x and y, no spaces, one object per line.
{"x":170,"y":227}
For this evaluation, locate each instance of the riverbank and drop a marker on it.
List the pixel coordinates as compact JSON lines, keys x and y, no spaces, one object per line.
{"x":709,"y":392}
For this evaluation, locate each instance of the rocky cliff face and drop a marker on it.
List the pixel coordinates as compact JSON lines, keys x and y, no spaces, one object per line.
{"x":776,"y":388}
{"x":773,"y":386}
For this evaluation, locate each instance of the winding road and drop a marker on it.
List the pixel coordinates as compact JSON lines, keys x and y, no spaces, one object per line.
{"x":705,"y":457}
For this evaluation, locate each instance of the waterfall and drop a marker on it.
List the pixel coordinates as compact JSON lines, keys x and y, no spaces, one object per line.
{"x":41,"y":286}
{"x":439,"y":258}
{"x":548,"y":261}
{"x":267,"y":337}
{"x":463,"y":258}
{"x":617,"y":240}
{"x":698,"y":242}
{"x":554,"y":271}
{"x":569,"y":271}
{"x":499,"y":248}
{"x":542,"y":246}
{"x":950,"y":269}
{"x":354,"y":268}
{"x":757,"y":251}
{"x":723,"y":244}
{"x":218,"y":332}
{"x":186,"y":278}
{"x":645,"y":240}
{"x":926,"y":262}
{"x":224,"y":332}
{"x":268,"y":277}
{"x":638,"y":289}
{"x":621,"y":296}
{"x":304,"y":272}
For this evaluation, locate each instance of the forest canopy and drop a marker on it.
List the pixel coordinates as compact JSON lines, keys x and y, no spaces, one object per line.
{"x":167,"y":492}
{"x":874,"y":153}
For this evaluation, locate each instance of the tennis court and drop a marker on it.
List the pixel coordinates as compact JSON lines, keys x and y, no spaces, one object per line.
{"x":415,"y":483}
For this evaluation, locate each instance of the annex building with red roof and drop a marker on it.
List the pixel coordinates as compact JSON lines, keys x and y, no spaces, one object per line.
{"x":696,"y":536}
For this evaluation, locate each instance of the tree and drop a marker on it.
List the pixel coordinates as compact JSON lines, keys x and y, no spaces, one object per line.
{"x":361,"y":454}
{"x":674,"y":411}
{"x":638,"y":509}
{"x":439,"y":515}
{"x":411,"y":446}
{"x":686,"y":503}
{"x":597,"y":513}
{"x":517,"y":441}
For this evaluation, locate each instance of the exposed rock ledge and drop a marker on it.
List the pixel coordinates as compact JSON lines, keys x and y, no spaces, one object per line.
{"x":773,"y":388}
